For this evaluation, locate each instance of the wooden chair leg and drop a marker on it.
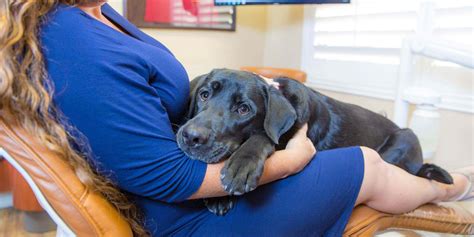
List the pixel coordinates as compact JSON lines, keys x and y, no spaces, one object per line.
{"x":5,"y":180}
{"x":5,"y":184}
{"x":23,"y":197}
{"x":35,"y":219}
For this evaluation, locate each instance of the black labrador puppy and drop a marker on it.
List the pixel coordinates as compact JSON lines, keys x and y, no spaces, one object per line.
{"x":237,"y":115}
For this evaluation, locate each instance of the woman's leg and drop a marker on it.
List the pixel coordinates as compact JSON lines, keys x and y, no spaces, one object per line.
{"x":317,"y":201}
{"x":390,"y":189}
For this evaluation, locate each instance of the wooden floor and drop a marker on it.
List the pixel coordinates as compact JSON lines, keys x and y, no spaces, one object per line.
{"x":11,"y":225}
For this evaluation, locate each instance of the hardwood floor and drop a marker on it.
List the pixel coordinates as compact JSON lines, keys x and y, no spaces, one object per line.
{"x":11,"y":225}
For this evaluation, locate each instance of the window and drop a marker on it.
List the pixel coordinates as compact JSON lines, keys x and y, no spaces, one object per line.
{"x":355,"y":48}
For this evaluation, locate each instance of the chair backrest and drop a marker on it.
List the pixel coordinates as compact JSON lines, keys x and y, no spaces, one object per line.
{"x":271,"y":72}
{"x":70,"y":203}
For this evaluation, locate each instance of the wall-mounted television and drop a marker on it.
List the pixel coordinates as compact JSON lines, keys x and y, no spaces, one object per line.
{"x":262,"y":2}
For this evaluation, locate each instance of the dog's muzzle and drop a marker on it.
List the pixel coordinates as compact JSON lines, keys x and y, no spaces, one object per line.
{"x":194,"y":137}
{"x":199,"y":144}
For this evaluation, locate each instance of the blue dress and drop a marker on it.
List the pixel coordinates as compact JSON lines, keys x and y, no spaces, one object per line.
{"x":125,"y":92}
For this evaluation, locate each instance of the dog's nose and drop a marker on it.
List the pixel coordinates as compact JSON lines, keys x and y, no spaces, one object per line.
{"x":195,"y":136}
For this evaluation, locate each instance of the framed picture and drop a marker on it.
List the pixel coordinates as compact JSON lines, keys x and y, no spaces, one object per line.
{"x":182,"y":14}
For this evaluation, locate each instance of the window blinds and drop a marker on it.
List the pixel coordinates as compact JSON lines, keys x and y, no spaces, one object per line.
{"x":372,"y":30}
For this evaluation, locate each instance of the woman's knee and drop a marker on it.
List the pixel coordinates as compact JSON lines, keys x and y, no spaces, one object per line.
{"x":372,"y":159}
{"x":375,"y":166}
{"x":375,"y":171}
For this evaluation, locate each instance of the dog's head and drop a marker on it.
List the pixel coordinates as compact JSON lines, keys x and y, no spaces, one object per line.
{"x":226,"y":108}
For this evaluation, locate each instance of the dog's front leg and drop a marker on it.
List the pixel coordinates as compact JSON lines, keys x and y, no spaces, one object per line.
{"x":220,"y":205}
{"x":243,"y":169}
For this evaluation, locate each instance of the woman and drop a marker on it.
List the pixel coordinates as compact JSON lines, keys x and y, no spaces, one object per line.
{"x":123,"y":90}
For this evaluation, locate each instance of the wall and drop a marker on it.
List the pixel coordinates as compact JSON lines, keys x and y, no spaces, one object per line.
{"x":200,"y":51}
{"x":265,"y":36}
{"x":457,"y":130}
{"x":283,"y":36}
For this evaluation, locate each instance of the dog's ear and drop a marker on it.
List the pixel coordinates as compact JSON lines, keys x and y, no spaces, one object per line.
{"x":280,"y":115}
{"x":297,"y":94}
{"x":193,"y":86}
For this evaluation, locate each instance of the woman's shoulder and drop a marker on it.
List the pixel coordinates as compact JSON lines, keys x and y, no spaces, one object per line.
{"x":68,"y":32}
{"x":69,"y":28}
{"x":63,"y":18}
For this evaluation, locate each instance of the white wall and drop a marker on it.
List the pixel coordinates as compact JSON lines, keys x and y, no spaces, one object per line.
{"x":457,"y":130}
{"x":283,"y":36}
{"x":202,"y":50}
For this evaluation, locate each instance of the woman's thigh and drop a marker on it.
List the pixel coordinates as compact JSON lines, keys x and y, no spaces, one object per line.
{"x":317,"y":201}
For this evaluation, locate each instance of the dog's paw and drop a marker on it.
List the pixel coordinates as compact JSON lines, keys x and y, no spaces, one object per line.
{"x":220,"y":205}
{"x":241,"y":175}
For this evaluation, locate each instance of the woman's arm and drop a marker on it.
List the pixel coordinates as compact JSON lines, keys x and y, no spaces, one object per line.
{"x":298,"y":153}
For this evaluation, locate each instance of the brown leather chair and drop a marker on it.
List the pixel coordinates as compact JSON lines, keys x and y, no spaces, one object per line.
{"x":12,"y":181}
{"x":79,"y":211}
{"x":73,"y":207}
{"x":272,"y":72}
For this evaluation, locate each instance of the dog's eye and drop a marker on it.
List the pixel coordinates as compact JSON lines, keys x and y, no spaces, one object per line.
{"x":243,"y":109}
{"x":215,"y":85}
{"x":204,"y":95}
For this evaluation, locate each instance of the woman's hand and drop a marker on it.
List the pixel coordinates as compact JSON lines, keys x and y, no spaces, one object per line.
{"x":298,"y":153}
{"x":302,"y":148}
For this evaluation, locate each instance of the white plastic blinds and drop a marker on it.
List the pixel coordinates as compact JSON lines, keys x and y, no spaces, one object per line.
{"x":372,"y":30}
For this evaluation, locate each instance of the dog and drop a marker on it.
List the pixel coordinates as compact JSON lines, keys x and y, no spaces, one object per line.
{"x":237,"y":115}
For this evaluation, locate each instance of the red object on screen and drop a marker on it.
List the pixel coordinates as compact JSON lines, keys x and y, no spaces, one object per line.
{"x":158,"y":11}
{"x":191,"y":6}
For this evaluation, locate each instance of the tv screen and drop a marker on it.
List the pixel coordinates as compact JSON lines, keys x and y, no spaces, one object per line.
{"x":259,"y":2}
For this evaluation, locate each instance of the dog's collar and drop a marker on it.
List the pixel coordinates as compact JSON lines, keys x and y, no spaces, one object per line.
{"x":271,"y":82}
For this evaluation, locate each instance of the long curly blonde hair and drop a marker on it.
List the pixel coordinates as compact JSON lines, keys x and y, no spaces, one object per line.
{"x":26,"y":94}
